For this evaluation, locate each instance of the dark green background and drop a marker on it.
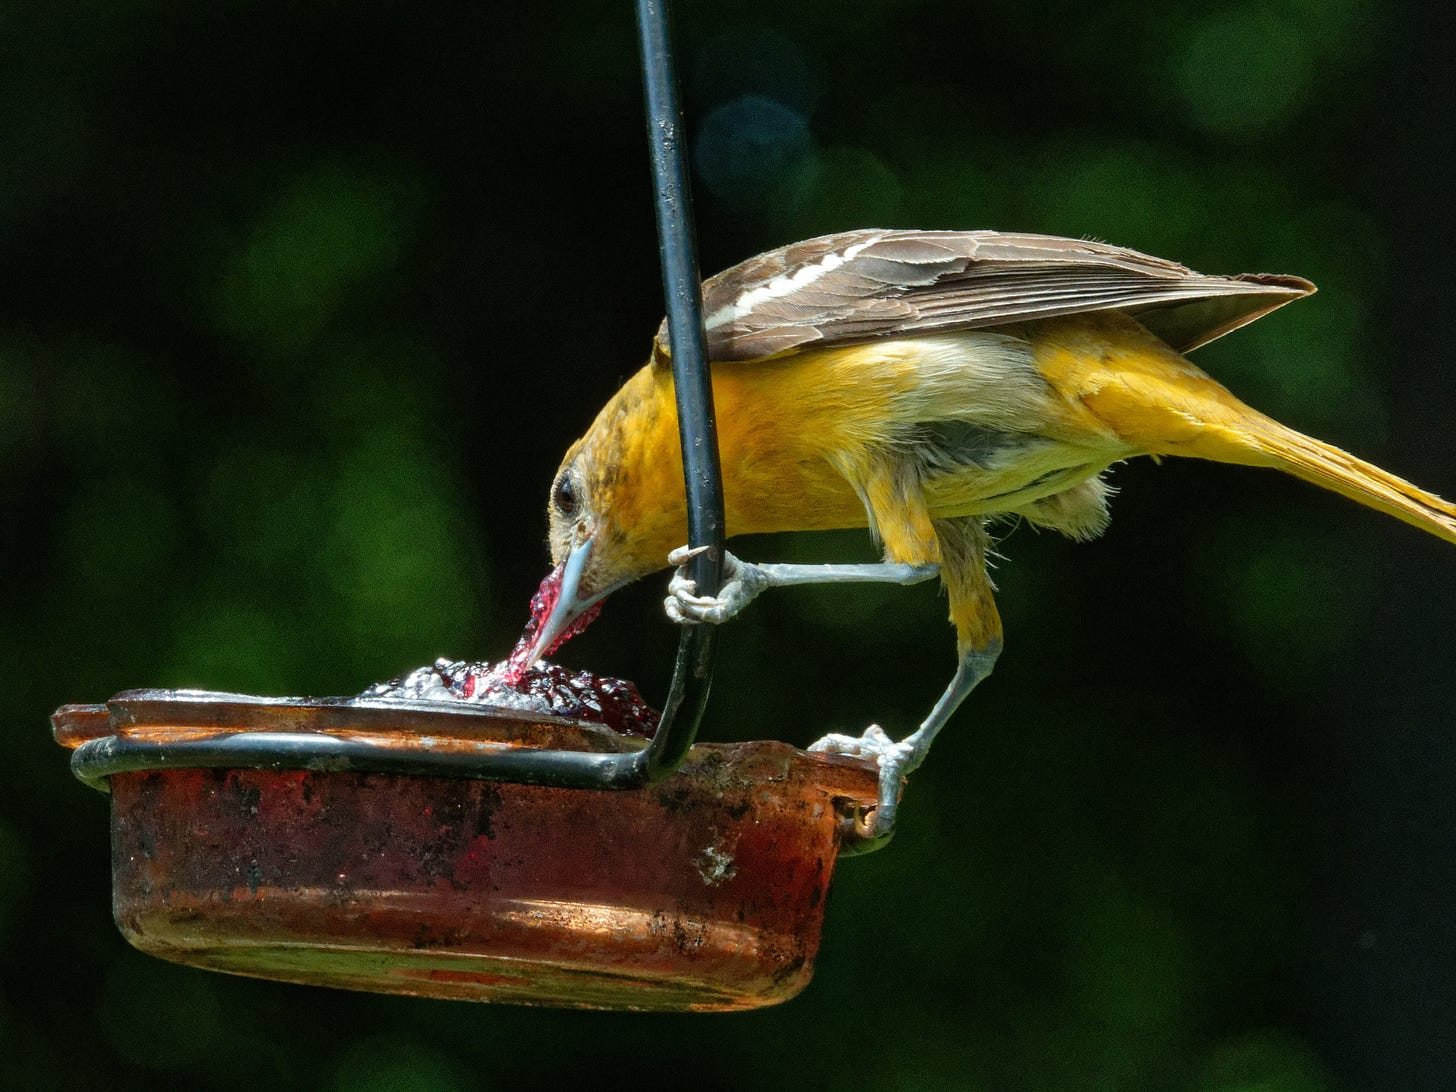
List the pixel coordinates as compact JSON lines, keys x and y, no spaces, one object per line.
{"x":300,"y":304}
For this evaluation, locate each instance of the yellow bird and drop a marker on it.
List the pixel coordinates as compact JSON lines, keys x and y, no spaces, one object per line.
{"x":923,"y":383}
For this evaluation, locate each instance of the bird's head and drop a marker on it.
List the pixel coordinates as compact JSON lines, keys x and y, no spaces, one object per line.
{"x":616,"y":509}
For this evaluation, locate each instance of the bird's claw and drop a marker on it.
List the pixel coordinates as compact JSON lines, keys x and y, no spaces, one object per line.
{"x":683,"y":554}
{"x":895,"y":760}
{"x":742,"y":583}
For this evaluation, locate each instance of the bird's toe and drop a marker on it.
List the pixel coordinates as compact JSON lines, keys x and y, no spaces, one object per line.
{"x":685,"y":607}
{"x":872,"y":743}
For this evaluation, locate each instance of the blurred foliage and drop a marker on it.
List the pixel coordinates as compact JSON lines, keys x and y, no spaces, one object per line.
{"x":299,"y":305}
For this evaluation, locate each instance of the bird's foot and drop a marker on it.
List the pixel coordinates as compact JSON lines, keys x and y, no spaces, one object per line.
{"x":874,"y":743}
{"x":742,"y":583}
{"x":895,"y":760}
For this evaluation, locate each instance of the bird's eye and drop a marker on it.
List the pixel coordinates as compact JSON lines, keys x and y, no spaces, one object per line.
{"x":564,"y":495}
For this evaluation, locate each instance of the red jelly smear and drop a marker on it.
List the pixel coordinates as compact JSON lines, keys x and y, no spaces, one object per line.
{"x":542,"y":604}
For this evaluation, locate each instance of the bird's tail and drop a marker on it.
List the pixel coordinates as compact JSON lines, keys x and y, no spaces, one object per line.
{"x":1159,"y":403}
{"x":1261,"y":441}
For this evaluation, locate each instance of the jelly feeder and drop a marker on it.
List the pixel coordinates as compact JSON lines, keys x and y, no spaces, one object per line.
{"x":462,"y":850}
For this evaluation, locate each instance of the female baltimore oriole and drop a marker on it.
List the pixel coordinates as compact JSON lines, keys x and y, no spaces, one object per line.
{"x":922,"y":383}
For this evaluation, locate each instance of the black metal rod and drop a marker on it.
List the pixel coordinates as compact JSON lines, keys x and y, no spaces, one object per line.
{"x":697,"y":427}
{"x":687,"y":342}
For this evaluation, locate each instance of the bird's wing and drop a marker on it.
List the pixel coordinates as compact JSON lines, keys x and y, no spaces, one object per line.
{"x":865,"y":285}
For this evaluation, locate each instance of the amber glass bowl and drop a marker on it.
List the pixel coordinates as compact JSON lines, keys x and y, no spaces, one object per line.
{"x":703,"y":892}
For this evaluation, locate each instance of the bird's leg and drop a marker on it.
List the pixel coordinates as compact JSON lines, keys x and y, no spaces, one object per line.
{"x":963,"y":546}
{"x":743,"y":582}
{"x":898,"y":760}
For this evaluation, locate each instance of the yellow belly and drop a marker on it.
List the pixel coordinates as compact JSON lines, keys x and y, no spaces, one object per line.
{"x":803,"y":436}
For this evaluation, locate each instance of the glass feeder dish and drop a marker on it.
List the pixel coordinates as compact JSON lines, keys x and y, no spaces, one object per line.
{"x":343,"y":842}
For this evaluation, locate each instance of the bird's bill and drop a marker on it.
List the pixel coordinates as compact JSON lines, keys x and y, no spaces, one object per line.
{"x":569,"y":605}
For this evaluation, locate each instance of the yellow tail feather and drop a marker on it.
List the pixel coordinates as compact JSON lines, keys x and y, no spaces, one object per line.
{"x":1159,"y":404}
{"x":1338,"y":471}
{"x":1156,"y":400}
{"x":1231,"y":432}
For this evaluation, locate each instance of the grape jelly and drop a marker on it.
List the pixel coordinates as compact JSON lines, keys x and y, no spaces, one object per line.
{"x":541,"y":688}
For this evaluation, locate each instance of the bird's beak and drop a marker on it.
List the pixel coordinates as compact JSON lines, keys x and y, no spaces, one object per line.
{"x":569,"y":605}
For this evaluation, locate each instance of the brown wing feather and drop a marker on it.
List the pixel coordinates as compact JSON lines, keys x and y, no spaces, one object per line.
{"x":865,"y":285}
